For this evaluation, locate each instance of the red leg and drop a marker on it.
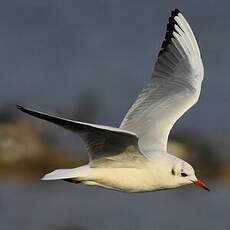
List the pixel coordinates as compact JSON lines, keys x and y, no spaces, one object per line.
{"x":72,"y":181}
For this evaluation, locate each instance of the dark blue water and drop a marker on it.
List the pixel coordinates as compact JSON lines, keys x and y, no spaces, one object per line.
{"x":60,"y":205}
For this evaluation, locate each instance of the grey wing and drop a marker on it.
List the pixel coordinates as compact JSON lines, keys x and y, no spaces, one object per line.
{"x":174,"y":87}
{"x":105,"y":144}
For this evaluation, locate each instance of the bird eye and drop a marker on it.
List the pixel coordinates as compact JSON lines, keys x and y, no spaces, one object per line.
{"x":183,"y":174}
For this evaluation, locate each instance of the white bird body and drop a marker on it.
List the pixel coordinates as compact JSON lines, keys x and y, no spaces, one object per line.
{"x":145,"y":176}
{"x":133,"y":157}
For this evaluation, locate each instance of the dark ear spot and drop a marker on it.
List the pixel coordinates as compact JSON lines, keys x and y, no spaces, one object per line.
{"x":183,"y":174}
{"x":173,"y":172}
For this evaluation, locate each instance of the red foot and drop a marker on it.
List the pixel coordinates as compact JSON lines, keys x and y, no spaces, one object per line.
{"x":72,"y":181}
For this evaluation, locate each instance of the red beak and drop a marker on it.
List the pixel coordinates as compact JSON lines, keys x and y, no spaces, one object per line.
{"x":201,"y":184}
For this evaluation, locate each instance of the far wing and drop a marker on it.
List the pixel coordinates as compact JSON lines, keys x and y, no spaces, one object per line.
{"x":174,"y":87}
{"x":105,"y":144}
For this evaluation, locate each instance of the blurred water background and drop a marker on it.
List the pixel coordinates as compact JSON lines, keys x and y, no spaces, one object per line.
{"x":88,"y":60}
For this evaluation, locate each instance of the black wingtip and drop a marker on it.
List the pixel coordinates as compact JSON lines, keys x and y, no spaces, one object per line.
{"x":21,"y":108}
{"x":169,"y":30}
{"x":175,"y":12}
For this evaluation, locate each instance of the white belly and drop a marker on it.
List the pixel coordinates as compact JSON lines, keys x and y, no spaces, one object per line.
{"x":123,"y":179}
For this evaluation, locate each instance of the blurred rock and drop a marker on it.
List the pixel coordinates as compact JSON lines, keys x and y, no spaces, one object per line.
{"x":26,"y":154}
{"x":19,"y":140}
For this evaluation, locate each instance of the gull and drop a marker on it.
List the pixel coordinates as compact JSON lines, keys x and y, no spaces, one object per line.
{"x":134,"y":157}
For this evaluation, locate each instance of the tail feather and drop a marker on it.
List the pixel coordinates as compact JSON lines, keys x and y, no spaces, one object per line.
{"x":61,"y":174}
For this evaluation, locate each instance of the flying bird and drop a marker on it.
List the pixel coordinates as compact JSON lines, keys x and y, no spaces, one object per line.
{"x":134,"y":157}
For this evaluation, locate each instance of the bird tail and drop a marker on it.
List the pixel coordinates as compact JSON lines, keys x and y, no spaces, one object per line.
{"x":60,"y":174}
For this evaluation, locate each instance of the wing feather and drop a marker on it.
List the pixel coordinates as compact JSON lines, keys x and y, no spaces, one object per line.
{"x":105,"y":144}
{"x":174,"y":87}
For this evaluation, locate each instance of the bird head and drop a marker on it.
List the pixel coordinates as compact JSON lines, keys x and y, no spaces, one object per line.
{"x":184,"y":174}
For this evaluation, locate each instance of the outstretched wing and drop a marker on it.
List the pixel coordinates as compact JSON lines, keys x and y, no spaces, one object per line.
{"x":174,"y":87}
{"x":105,"y":144}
